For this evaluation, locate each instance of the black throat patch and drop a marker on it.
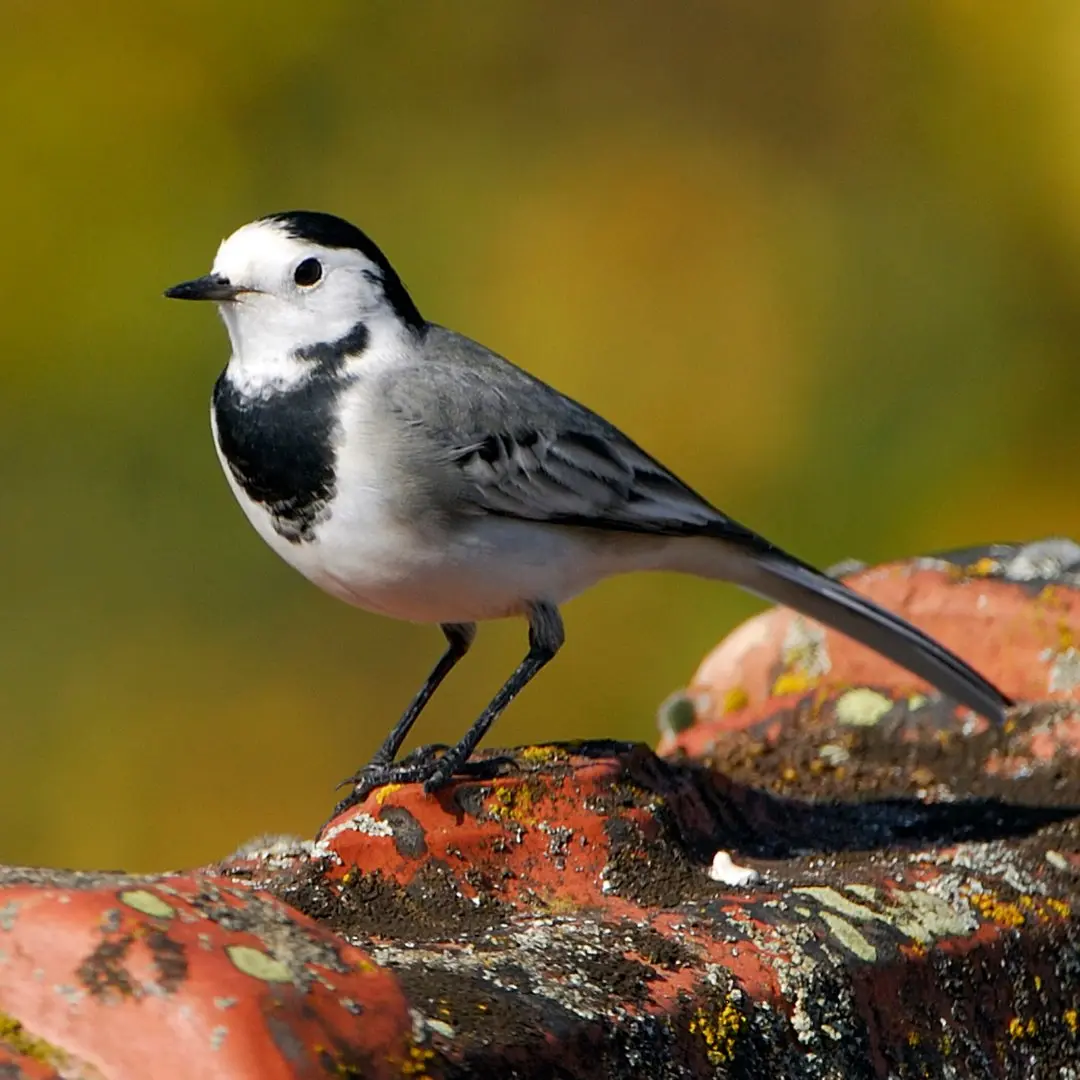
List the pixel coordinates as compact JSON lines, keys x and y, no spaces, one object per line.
{"x":281,"y":446}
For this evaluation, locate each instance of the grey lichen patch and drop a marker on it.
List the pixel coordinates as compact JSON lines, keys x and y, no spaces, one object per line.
{"x":281,"y":936}
{"x":8,"y":914}
{"x":829,"y":898}
{"x":915,"y":913}
{"x":360,"y":822}
{"x":804,"y":649}
{"x":924,"y":917}
{"x":861,"y":707}
{"x":1065,"y":671}
{"x":147,"y":902}
{"x":863,"y":891}
{"x":1057,"y":860}
{"x":271,"y":846}
{"x":834,"y":754}
{"x":844,"y":568}
{"x":258,"y":964}
{"x":1001,"y":860}
{"x":848,"y":936}
{"x":1055,"y":559}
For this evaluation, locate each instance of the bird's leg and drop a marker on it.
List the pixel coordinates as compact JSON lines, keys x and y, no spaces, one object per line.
{"x":422,"y":766}
{"x":459,"y":636}
{"x":546,"y":636}
{"x":380,"y":770}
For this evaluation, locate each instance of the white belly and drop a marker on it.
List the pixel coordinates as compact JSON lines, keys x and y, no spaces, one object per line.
{"x":490,"y":570}
{"x":425,"y":571}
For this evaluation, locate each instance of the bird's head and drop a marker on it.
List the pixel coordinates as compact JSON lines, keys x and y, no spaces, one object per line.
{"x":300,"y":279}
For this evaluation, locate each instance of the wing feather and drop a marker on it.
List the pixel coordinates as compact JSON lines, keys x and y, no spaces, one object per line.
{"x":575,"y":477}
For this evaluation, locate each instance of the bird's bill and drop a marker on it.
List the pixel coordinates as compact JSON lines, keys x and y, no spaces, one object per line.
{"x":207,"y":287}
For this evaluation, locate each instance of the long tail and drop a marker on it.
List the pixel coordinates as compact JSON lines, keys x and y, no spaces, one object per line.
{"x":783,"y":579}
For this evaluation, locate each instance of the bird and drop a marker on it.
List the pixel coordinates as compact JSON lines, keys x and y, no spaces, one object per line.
{"x":411,"y":471}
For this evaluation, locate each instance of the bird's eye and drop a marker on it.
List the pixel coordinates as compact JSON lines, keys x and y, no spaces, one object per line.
{"x":308,"y":273}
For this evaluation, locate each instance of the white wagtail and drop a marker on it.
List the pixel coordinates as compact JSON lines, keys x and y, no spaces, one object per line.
{"x":411,"y":471}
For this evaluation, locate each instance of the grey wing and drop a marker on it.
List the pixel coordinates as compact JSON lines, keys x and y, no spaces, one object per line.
{"x":506,"y":443}
{"x":571,"y":476}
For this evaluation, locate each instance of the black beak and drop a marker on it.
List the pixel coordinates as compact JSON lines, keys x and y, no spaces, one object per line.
{"x":207,"y":287}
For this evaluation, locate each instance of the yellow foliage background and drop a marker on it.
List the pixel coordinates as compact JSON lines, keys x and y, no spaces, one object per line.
{"x":822,"y":259}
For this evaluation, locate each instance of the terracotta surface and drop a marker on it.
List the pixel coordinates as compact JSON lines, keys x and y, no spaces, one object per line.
{"x":570,"y":910}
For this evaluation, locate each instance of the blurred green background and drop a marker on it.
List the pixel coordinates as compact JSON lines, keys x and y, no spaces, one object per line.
{"x":822,"y":259}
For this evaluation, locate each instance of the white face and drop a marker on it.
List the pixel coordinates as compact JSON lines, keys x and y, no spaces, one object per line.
{"x":294,"y":293}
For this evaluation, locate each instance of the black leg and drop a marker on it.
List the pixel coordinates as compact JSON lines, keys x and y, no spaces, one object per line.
{"x":422,"y":766}
{"x":546,"y":636}
{"x":459,"y":637}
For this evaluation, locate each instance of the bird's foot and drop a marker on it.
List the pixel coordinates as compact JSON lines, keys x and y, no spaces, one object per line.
{"x":423,"y":766}
{"x":415,"y":768}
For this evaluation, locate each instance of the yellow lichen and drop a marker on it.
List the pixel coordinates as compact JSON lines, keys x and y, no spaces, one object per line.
{"x":537,"y":755}
{"x":1070,"y":1018}
{"x":913,"y":1038}
{"x":1058,"y":907}
{"x":512,"y":802}
{"x":720,"y":1031}
{"x":22,"y":1042}
{"x":998,"y":911}
{"x":559,"y":904}
{"x":383,"y":793}
{"x":792,"y":682}
{"x":417,"y":1062}
{"x":1020,"y":1029}
{"x":735,"y":699}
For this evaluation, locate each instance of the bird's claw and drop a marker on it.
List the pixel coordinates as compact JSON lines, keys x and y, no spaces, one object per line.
{"x":423,"y":766}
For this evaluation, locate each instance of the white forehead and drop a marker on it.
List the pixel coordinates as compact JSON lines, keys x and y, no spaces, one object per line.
{"x":259,"y":247}
{"x":263,"y":250}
